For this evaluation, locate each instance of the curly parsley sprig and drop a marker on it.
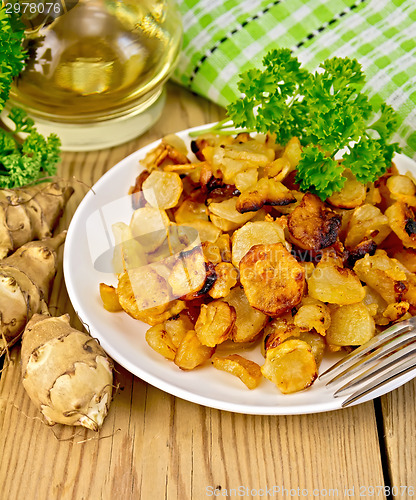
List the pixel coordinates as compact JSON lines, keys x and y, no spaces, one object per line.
{"x":22,"y":161}
{"x":326,"y":110}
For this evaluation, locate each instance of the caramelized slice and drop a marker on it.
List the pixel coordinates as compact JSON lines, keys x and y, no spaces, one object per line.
{"x":264,"y":192}
{"x":291,"y":366}
{"x":249,"y":322}
{"x":159,"y":340}
{"x":191,"y":353}
{"x":215,"y":323}
{"x":109,"y":297}
{"x":247,"y":371}
{"x":334,"y":284}
{"x":272,"y":278}
{"x":312,"y":225}
{"x":402,"y":220}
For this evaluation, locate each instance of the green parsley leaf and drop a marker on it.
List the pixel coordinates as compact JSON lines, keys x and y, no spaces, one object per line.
{"x":22,"y":161}
{"x":29,"y":160}
{"x":318,"y":173}
{"x":327,"y":110}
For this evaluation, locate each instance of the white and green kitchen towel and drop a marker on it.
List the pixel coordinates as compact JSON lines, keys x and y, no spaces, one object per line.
{"x":224,"y":38}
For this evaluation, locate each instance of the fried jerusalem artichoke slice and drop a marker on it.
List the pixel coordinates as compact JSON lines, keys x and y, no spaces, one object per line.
{"x":65,"y":372}
{"x":28,"y":214}
{"x":335,"y":284}
{"x":25,"y":280}
{"x":191,"y":353}
{"x":272,"y":278}
{"x":284,"y":328}
{"x":249,"y":322}
{"x":215,"y":323}
{"x":151,"y":304}
{"x":291,"y":366}
{"x":351,"y":324}
{"x":264,"y":192}
{"x":246,"y":370}
{"x":402,"y":220}
{"x":312,"y":225}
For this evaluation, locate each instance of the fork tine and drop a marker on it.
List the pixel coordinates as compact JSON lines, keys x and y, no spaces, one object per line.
{"x":390,"y":376}
{"x":369,"y":346}
{"x":378,"y":354}
{"x":384,"y":365}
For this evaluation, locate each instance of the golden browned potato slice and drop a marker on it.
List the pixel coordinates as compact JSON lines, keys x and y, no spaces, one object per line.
{"x":207,"y":231}
{"x":278,"y":169}
{"x":278,"y":331}
{"x":376,"y":305}
{"x":352,"y":194}
{"x":165,"y":153}
{"x":312,"y":225}
{"x":227,"y":276}
{"x":291,"y":366}
{"x":224,"y":244}
{"x":373,"y":196}
{"x":135,"y":298}
{"x":264,"y":192}
{"x":139,"y":306}
{"x":215,"y":323}
{"x":396,"y":311}
{"x":317,"y":343}
{"x":358,"y":252}
{"x":407,"y":256}
{"x":211,"y":252}
{"x":383,"y":274}
{"x":245,"y":180}
{"x":188,"y":273}
{"x":402,"y":220}
{"x":159,"y":340}
{"x":293,"y":152}
{"x":272,"y":278}
{"x":109,"y":297}
{"x":189,"y":210}
{"x":227,"y":210}
{"x":150,"y":226}
{"x":255,"y":233}
{"x":247,"y":371}
{"x":249,"y":322}
{"x":177,"y":327}
{"x":402,"y":188}
{"x":283,"y":328}
{"x":335,"y":284}
{"x":223,"y":224}
{"x":162,"y":189}
{"x":351,"y":324}
{"x":366,"y":221}
{"x":191,"y":353}
{"x":313,"y":316}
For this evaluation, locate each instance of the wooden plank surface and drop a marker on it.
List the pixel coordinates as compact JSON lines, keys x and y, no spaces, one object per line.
{"x":399,"y":421}
{"x":155,"y":446}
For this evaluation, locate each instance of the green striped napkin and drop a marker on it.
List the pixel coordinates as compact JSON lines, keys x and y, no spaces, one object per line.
{"x":224,"y":38}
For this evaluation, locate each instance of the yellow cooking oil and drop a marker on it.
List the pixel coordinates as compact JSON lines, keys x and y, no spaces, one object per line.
{"x":99,"y":60}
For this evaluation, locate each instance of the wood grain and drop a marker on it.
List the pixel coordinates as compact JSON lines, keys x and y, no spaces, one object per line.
{"x":399,"y":420}
{"x":156,"y":446}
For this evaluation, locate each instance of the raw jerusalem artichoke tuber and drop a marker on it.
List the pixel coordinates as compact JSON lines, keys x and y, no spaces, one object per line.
{"x":30,"y":214}
{"x":25,"y":280}
{"x":65,"y":372}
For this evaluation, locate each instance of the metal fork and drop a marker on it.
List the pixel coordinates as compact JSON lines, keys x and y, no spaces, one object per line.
{"x":384,"y":358}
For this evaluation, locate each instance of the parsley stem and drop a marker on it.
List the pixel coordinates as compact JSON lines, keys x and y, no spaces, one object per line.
{"x":221,"y":128}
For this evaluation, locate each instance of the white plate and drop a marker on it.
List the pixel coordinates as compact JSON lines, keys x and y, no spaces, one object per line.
{"x":87,"y":262}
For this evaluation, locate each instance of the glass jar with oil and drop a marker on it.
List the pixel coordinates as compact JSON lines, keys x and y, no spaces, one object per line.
{"x":95,"y":74}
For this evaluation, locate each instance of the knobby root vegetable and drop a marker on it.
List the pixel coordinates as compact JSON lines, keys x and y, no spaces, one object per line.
{"x":25,"y":280}
{"x":65,"y":372}
{"x":30,"y":214}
